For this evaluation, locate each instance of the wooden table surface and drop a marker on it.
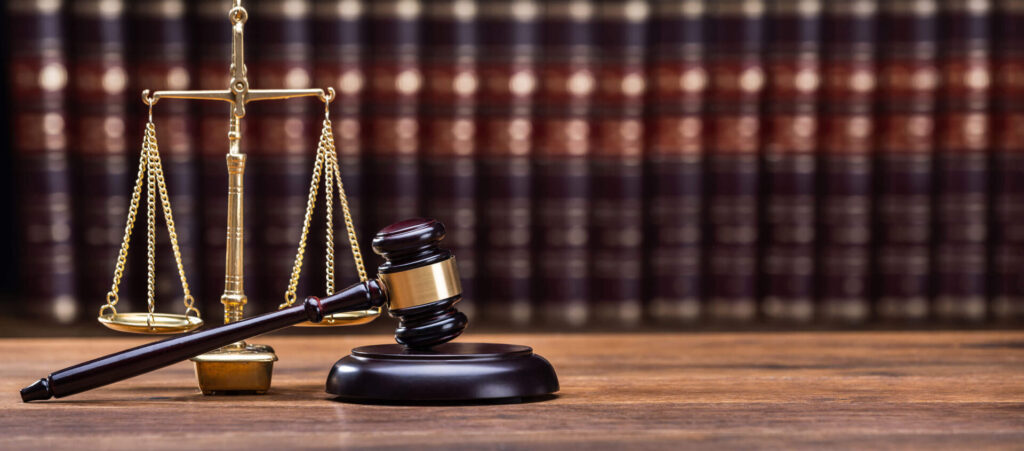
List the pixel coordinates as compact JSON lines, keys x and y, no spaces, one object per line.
{"x":713,"y":390}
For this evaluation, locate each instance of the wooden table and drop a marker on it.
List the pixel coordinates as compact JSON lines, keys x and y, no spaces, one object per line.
{"x":714,"y":390}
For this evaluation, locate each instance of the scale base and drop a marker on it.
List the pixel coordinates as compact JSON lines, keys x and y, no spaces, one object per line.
{"x":449,"y":372}
{"x":235,"y":369}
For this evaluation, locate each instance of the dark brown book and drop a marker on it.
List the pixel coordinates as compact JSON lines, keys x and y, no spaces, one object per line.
{"x":908,"y":83}
{"x":678,"y":82}
{"x":1008,"y":162}
{"x":394,"y":83}
{"x":39,"y":77}
{"x":563,"y":143}
{"x":212,"y":55}
{"x":507,"y":64}
{"x":447,"y":117}
{"x":101,"y":131}
{"x":846,"y":124}
{"x":159,"y":60}
{"x":792,"y":60}
{"x":616,"y":162}
{"x":284,"y":138}
{"x":962,"y":134}
{"x":737,"y":82}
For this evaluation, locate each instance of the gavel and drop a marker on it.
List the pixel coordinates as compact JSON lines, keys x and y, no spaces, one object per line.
{"x":418,"y":282}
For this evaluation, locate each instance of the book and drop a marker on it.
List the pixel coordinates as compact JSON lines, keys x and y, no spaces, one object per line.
{"x":792,"y":61}
{"x":39,"y":91}
{"x":159,"y":60}
{"x":962,"y":135}
{"x":10,"y":277}
{"x":447,"y":117}
{"x":908,"y":82}
{"x":395,"y":81}
{"x":846,"y":120}
{"x":675,"y":154}
{"x":562,"y":146}
{"x":212,"y":59}
{"x":507,"y":67}
{"x":1007,"y":259}
{"x":338,"y":61}
{"x":100,"y":156}
{"x":616,"y":162}
{"x":284,"y":139}
{"x":737,"y":82}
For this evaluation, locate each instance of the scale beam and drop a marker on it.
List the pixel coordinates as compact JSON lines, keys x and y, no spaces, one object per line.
{"x":251,"y":95}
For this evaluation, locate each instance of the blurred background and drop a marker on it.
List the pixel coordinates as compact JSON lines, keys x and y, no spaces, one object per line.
{"x":608,"y":164}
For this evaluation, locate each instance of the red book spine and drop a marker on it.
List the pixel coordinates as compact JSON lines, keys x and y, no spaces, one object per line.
{"x":678,"y":83}
{"x":100,"y":154}
{"x":846,"y":135}
{"x":909,"y":80}
{"x":38,"y":115}
{"x":447,"y":114}
{"x":1008,"y":162}
{"x":562,"y":175}
{"x":508,"y":81}
{"x":338,"y":59}
{"x":616,"y":215}
{"x":159,"y":49}
{"x":737,"y":81}
{"x":394,"y":85}
{"x":284,"y":135}
{"x":790,"y":158}
{"x":962,"y":181}
{"x":213,"y":56}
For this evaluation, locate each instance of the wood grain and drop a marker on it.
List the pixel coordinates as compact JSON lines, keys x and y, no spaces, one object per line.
{"x":946,"y":390}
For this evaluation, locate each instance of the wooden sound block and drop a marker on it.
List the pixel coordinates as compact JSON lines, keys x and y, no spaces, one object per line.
{"x":447,"y":372}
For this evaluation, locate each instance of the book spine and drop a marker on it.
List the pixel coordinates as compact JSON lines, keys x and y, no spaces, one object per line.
{"x":395,"y":81}
{"x":907,"y":96}
{"x":675,"y":153}
{"x":338,"y":62}
{"x":100,"y":149}
{"x":616,"y":215}
{"x":284,"y":135}
{"x":562,"y":175}
{"x":447,"y":115}
{"x":790,"y":158}
{"x":961,"y":206}
{"x":846,"y":141}
{"x":213,"y":55}
{"x":737,"y":82}
{"x":508,"y":81}
{"x":8,"y":184}
{"x":38,"y":92}
{"x":159,"y":61}
{"x":1008,"y":162}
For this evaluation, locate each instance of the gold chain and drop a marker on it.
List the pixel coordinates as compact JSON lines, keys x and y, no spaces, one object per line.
{"x":150,"y":168}
{"x":122,"y":256}
{"x":150,"y":228}
{"x":172,"y":232}
{"x":314,"y":184}
{"x":326,"y":160}
{"x":329,"y":203}
{"x":357,"y":254}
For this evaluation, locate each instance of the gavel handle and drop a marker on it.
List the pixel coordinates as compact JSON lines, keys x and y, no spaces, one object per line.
{"x":133,"y":362}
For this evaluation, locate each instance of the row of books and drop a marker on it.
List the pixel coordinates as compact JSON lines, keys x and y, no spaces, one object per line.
{"x":596,"y":162}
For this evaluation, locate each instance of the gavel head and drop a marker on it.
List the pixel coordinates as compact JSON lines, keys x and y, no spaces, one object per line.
{"x":422,"y":283}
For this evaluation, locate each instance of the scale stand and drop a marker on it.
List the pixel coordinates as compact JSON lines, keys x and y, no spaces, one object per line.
{"x":240,"y":367}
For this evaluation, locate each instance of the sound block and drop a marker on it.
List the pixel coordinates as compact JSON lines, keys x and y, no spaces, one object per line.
{"x":447,"y":372}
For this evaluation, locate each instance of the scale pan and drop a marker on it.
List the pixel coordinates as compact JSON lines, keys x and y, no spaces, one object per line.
{"x":161,"y":323}
{"x":353,"y":318}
